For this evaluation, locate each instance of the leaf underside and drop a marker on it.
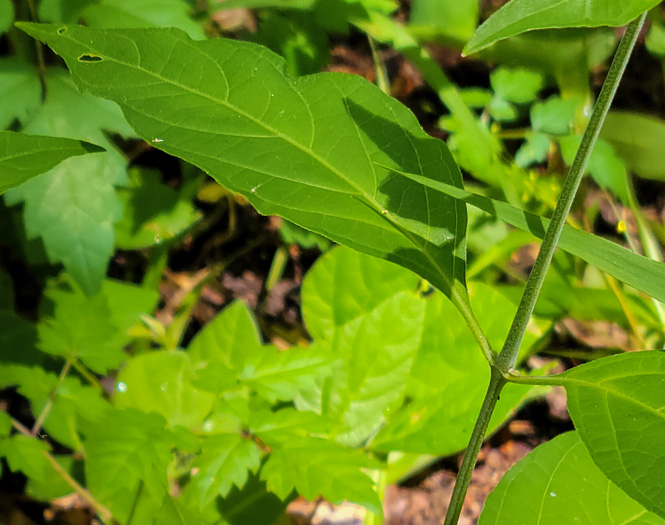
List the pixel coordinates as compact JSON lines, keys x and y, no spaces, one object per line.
{"x":308,"y":149}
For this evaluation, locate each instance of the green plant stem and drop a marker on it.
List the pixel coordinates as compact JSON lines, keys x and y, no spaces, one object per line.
{"x":461,"y":302}
{"x":497,"y":381}
{"x":41,"y":64}
{"x":505,"y":361}
{"x":81,"y":369}
{"x":104,"y":514}
{"x":508,"y":356}
{"x":49,"y":404}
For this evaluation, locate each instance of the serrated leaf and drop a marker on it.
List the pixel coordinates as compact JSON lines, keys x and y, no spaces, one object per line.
{"x":239,"y":102}
{"x":640,"y":272}
{"x":367,"y":313}
{"x":554,"y":115}
{"x":72,"y":402}
{"x":319,"y":467}
{"x":519,"y":16}
{"x":252,"y":504}
{"x":74,"y":206}
{"x":33,"y":382}
{"x":618,"y":406}
{"x":517,"y":85}
{"x":558,"y":483}
{"x":130,"y":452}
{"x":225,"y":461}
{"x":142,"y":13}
{"x":26,"y":454}
{"x":20,"y":91}
{"x":93,"y":329}
{"x":161,"y":382}
{"x":23,"y":156}
{"x":228,"y":351}
{"x":286,"y":424}
{"x":449,"y":378}
{"x":55,"y":486}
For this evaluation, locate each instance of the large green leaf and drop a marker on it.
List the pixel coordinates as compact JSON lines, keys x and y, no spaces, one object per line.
{"x":6,"y":15}
{"x":74,"y":206}
{"x":293,"y":147}
{"x":23,"y":157}
{"x":618,"y":406}
{"x":518,"y":16}
{"x":162,"y":382}
{"x":639,"y":272}
{"x":449,"y":378}
{"x":558,"y":483}
{"x":368,"y":313}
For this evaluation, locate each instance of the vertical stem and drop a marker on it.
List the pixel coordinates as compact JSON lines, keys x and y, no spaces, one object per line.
{"x":41,"y":65}
{"x":508,"y":356}
{"x":497,"y":382}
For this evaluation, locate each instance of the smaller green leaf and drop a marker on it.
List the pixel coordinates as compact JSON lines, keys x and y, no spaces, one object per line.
{"x":319,"y":467}
{"x":161,"y":382}
{"x":618,"y":406}
{"x":558,"y":483}
{"x":286,"y":424}
{"x":534,"y":149}
{"x":225,"y":461}
{"x":555,"y":115}
{"x":252,"y":504}
{"x":54,"y":486}
{"x":23,"y":157}
{"x":93,"y":329}
{"x":26,"y":454}
{"x":129,"y":453}
{"x":519,"y":16}
{"x":59,"y":11}
{"x":518,"y":85}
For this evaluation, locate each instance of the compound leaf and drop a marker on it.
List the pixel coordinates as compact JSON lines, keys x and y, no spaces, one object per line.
{"x":225,"y":461}
{"x":368,"y":313}
{"x":556,"y":483}
{"x":23,"y":157}
{"x":320,"y":467}
{"x":292,"y":147}
{"x":519,"y":16}
{"x":618,"y":406}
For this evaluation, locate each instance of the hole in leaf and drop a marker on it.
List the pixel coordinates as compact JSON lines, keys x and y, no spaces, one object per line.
{"x":62,"y":30}
{"x":90,"y":58}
